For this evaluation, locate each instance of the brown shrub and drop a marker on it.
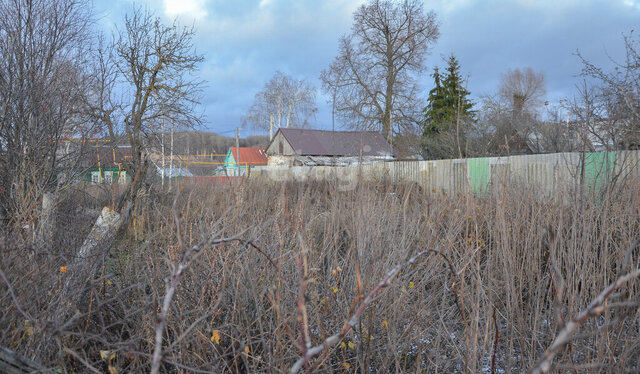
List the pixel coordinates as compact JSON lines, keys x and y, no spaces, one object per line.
{"x":535,"y":263}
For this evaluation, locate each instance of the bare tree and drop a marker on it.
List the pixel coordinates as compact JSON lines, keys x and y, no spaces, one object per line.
{"x":156,"y":63}
{"x":374,"y":77}
{"x":498,"y":132}
{"x":152,"y":64}
{"x":525,"y":89}
{"x":509,"y":122}
{"x":595,"y":114}
{"x":284,"y":100}
{"x":42,"y":83}
{"x":616,"y":97}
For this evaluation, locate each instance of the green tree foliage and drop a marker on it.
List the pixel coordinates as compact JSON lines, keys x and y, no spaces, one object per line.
{"x":448,"y":112}
{"x":436,"y":111}
{"x":448,"y":98}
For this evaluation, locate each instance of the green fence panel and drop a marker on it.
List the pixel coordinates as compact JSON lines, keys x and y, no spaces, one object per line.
{"x":598,"y":168}
{"x":479,"y":175}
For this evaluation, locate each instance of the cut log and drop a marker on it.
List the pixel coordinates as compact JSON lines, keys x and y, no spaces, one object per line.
{"x":14,"y":363}
{"x":90,"y":256}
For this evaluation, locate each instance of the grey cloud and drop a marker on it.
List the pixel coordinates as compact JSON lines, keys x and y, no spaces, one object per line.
{"x":244,"y":43}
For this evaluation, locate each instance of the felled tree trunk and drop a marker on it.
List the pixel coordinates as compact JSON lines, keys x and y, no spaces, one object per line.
{"x":14,"y":363}
{"x":96,"y":245}
{"x":90,"y":256}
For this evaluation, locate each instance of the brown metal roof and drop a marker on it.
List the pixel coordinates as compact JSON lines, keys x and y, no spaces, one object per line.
{"x":108,"y":157}
{"x":307,"y":142}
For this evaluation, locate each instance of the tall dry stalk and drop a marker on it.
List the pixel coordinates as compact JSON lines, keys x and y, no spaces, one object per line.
{"x":532,"y":262}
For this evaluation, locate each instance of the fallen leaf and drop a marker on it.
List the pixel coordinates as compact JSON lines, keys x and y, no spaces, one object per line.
{"x":215,"y":337}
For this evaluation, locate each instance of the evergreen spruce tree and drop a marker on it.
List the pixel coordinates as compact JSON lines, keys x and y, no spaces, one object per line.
{"x":447,"y":103}
{"x":456,"y":93}
{"x":436,"y":111}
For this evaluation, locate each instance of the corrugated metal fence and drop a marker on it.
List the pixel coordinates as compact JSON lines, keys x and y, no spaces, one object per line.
{"x":546,"y":174}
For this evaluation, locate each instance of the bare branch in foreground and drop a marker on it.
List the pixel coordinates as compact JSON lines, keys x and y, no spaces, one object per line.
{"x":303,"y":320}
{"x":13,"y":297}
{"x":564,"y":336}
{"x":495,"y":342}
{"x":308,"y":354}
{"x":186,"y":259}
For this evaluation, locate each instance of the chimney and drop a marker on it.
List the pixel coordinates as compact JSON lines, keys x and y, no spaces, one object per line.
{"x":518,"y":104}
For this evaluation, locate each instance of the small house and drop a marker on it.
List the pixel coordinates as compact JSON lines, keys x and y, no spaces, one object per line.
{"x":104,"y":165}
{"x":248,"y":157}
{"x":293,"y":147}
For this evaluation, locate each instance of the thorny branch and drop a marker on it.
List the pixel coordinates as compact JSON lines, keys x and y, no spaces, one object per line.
{"x":564,"y":336}
{"x":13,"y":297}
{"x":186,"y":259}
{"x":309,"y":353}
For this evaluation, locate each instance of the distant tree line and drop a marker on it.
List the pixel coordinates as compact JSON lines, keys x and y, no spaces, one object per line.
{"x":205,"y":142}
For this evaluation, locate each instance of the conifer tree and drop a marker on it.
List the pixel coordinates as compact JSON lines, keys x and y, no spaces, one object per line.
{"x":436,"y":110}
{"x":447,"y":114}
{"x":446,"y":99}
{"x":455,"y":90}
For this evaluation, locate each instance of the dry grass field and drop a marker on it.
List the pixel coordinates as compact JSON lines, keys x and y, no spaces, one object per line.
{"x":496,"y":280}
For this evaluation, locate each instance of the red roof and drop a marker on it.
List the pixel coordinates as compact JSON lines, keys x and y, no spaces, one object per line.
{"x":250,"y":156}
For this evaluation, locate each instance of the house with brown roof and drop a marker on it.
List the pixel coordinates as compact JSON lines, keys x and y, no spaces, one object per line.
{"x":294,"y":147}
{"x":104,"y":164}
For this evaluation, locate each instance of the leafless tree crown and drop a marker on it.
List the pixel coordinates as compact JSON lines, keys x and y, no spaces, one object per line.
{"x":373,"y":79}
{"x":156,"y":63}
{"x":612,"y":106}
{"x":42,"y":86}
{"x":524,"y":88}
{"x":283,"y":102}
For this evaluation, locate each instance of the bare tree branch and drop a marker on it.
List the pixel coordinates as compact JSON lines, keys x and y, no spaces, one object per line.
{"x":373,"y":78}
{"x":565,"y":335}
{"x":283,"y":102}
{"x":309,"y":353}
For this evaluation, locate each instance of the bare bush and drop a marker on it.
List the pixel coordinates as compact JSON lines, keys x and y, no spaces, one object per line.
{"x":43,"y":80}
{"x":521,"y":268}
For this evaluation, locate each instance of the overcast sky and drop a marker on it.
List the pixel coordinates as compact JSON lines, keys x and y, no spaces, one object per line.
{"x":245,"y":41}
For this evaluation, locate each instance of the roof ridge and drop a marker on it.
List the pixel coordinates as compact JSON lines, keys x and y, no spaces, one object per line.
{"x":320,"y":130}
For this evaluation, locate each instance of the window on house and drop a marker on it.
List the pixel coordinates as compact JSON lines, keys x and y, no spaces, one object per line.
{"x":280,"y":148}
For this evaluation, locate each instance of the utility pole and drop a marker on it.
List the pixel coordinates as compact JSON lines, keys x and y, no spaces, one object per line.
{"x":163,"y":151}
{"x":171,"y":158}
{"x":333,"y":126}
{"x":238,"y":148}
